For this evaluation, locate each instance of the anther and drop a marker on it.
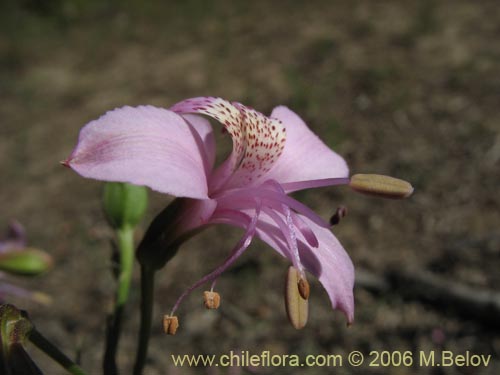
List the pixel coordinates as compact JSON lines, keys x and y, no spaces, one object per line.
{"x":211,"y":299}
{"x":380,"y":185}
{"x":338,"y":215}
{"x":296,"y":306}
{"x":303,"y":286}
{"x":170,"y":324}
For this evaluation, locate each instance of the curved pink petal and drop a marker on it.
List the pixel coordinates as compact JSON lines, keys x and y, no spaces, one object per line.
{"x":144,"y":146}
{"x":305,"y":156}
{"x":329,"y":262}
{"x":204,"y":136}
{"x":258,"y":140}
{"x":224,"y":112}
{"x":264,"y":143}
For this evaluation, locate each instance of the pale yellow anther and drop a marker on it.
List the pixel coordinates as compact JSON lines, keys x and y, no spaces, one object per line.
{"x":170,"y":324}
{"x":381,"y":186}
{"x":211,"y":299}
{"x":296,"y":305}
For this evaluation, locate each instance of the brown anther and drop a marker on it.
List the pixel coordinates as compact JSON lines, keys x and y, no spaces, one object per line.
{"x":338,"y":215}
{"x":296,"y":306}
{"x":211,"y":299}
{"x":381,"y":186}
{"x":304,"y":288}
{"x":170,"y":324}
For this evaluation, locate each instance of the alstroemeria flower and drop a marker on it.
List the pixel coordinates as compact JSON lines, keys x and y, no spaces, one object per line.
{"x":173,"y":151}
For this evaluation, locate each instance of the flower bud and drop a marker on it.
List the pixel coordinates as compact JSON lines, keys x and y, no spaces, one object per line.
{"x":124,"y":204}
{"x":381,"y":186}
{"x":296,"y":306}
{"x":28,"y":262}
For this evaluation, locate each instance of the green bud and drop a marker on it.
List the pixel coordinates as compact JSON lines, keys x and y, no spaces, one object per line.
{"x":27,"y":262}
{"x":124,"y":204}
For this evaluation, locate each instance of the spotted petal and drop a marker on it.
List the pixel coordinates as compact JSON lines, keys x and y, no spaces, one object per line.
{"x":258,"y":141}
{"x":145,"y":146}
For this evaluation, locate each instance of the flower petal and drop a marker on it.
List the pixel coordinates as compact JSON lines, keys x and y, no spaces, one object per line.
{"x":329,"y":262}
{"x":222,"y":111}
{"x":204,"y":136}
{"x":258,"y":141}
{"x":264,"y":143}
{"x":305,"y":156}
{"x":144,"y":146}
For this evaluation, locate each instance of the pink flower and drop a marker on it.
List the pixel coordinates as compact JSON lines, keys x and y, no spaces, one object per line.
{"x":173,"y":151}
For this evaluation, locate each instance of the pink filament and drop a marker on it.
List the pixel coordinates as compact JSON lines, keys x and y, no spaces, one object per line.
{"x":306,"y":231}
{"x":240,"y":247}
{"x":310,"y":184}
{"x":289,"y":234}
{"x":244,"y":198}
{"x":298,"y":222}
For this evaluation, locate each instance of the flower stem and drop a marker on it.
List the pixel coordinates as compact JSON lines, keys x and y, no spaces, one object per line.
{"x":125,"y":238}
{"x":48,"y":348}
{"x":147,"y":290}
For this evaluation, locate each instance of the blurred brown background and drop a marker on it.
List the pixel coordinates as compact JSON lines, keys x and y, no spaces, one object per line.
{"x":409,"y":89}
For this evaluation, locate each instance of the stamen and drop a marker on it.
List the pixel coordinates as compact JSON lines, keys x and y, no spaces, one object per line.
{"x":381,"y":186}
{"x":306,"y":231}
{"x":298,"y":222}
{"x":291,"y":240}
{"x":170,"y":324}
{"x":296,"y":306}
{"x":240,"y":247}
{"x":231,"y":217}
{"x":310,"y":184}
{"x":242,"y":198}
{"x":211,"y":299}
{"x":338,"y":215}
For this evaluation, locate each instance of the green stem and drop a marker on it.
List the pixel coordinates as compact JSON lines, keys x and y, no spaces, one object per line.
{"x":147,"y":290}
{"x":48,"y":348}
{"x":126,"y":245}
{"x":125,"y":238}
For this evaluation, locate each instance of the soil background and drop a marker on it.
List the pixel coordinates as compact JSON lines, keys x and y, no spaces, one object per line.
{"x":404,"y":88}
